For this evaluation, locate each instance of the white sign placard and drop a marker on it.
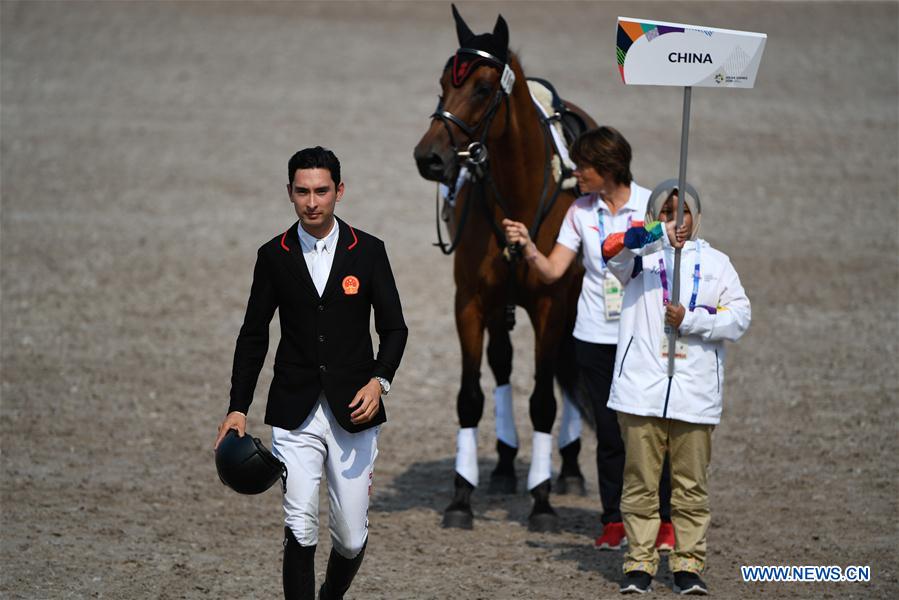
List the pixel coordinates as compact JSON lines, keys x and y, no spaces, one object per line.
{"x":659,"y":53}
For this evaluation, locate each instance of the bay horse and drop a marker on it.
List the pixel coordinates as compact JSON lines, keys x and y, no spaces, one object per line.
{"x":487,"y":123}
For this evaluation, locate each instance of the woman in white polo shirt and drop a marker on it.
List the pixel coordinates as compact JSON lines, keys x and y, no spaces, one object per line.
{"x":611,"y":203}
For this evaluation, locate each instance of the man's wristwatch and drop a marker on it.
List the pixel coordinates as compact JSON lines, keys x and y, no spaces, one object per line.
{"x":385,"y":385}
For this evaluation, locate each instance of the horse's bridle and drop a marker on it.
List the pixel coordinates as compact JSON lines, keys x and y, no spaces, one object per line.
{"x":475,"y":154}
{"x":475,"y":160}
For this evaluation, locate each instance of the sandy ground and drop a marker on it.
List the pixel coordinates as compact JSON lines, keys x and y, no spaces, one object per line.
{"x":143,"y":155}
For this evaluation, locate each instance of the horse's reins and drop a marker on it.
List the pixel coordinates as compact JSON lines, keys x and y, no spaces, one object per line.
{"x":476,"y":156}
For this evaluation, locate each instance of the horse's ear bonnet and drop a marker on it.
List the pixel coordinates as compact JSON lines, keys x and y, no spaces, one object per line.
{"x":501,"y":34}
{"x":495,"y":44}
{"x":463,"y":32}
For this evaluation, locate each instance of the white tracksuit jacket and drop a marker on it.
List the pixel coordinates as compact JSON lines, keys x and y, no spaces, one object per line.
{"x":640,"y":385}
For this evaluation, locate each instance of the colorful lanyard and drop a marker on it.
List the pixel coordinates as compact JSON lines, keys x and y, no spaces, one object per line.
{"x":663,"y":276}
{"x":602,"y":230}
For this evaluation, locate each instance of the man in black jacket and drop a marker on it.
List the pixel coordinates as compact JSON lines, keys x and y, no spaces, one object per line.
{"x":324,"y":404}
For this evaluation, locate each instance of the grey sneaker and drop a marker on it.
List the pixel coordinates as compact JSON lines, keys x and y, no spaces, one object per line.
{"x":636,"y":582}
{"x":688,"y":583}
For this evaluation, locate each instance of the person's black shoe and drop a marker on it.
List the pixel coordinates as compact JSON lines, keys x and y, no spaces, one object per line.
{"x":688,"y":583}
{"x":636,"y":582}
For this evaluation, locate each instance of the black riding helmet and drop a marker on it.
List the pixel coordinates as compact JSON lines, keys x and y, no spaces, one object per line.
{"x":245,"y":465}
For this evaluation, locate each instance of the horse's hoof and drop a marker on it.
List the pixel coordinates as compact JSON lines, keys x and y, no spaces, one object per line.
{"x":543,"y":522}
{"x":458,"y":514}
{"x":571,"y":484}
{"x":502,"y":483}
{"x":458,"y":519}
{"x":542,"y":518}
{"x":503,"y":479}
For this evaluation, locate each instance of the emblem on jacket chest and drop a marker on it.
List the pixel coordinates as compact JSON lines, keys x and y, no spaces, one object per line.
{"x":350,"y":285}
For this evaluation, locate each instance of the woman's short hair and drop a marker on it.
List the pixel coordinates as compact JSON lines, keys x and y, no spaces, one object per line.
{"x":606,"y":150}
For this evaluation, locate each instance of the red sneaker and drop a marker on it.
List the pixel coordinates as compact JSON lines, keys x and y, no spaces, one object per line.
{"x":612,"y":538}
{"x":665,"y":539}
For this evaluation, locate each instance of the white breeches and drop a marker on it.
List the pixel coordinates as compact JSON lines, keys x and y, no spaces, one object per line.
{"x":320,"y":445}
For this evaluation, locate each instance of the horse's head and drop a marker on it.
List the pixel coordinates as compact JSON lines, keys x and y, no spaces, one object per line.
{"x":474,"y":83}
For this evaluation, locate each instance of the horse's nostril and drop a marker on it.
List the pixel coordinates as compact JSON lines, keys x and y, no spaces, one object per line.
{"x":431,"y":166}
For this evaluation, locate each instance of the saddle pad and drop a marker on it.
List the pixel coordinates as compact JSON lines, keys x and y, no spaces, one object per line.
{"x":543,"y":100}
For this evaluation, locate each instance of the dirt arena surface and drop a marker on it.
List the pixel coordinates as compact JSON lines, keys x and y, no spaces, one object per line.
{"x":143,"y":162}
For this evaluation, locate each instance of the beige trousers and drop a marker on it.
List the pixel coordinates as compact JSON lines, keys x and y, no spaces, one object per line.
{"x":646,"y":439}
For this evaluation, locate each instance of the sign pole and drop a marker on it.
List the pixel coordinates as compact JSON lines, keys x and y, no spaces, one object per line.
{"x":681,"y":193}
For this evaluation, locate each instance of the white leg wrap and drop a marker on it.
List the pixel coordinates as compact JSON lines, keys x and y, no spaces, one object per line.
{"x":570,"y":428}
{"x":467,"y":454}
{"x":541,"y":459}
{"x":505,"y":418}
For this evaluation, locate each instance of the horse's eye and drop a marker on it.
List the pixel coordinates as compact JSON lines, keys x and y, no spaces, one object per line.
{"x":482,"y":90}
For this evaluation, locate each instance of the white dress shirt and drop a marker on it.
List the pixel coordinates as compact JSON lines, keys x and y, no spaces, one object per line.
{"x":319,"y":254}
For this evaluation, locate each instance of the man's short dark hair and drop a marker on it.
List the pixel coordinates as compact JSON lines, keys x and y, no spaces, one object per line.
{"x":314,"y":158}
{"x":606,"y":150}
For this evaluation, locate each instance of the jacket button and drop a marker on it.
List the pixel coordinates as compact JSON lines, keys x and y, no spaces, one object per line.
{"x":323,"y":368}
{"x":321,"y":338}
{"x":321,"y":307}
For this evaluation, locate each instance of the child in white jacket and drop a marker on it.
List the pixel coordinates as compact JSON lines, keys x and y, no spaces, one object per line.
{"x":657,"y":413}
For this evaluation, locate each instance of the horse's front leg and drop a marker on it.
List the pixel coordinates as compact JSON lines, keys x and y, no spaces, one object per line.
{"x":470,"y":407}
{"x":548,"y":319}
{"x":499,"y":356}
